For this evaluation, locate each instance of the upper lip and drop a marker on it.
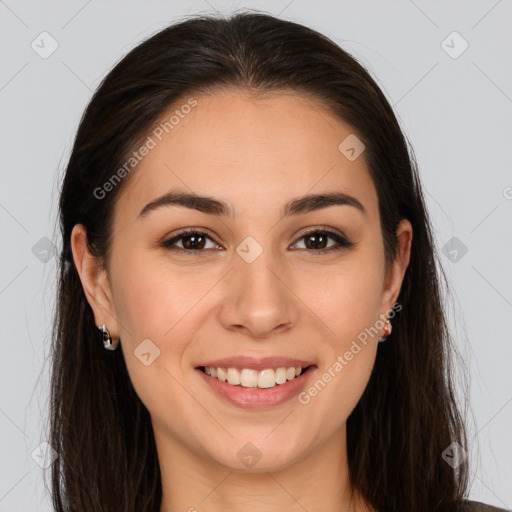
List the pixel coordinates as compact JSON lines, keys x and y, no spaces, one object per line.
{"x":257,"y":363}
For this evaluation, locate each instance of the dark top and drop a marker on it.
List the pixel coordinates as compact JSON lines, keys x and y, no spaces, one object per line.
{"x":476,"y":506}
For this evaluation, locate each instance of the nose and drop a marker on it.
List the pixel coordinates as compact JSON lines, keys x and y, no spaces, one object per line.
{"x":257,"y":300}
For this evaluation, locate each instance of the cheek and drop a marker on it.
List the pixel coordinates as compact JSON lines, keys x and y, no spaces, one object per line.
{"x":152,"y":296}
{"x":350,"y":307}
{"x":161,"y":303}
{"x":346,"y":297}
{"x":154,"y":305}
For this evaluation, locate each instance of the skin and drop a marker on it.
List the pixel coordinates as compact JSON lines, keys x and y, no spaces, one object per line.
{"x":255,"y":154}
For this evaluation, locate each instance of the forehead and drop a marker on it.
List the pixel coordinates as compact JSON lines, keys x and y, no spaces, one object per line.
{"x":252,"y":152}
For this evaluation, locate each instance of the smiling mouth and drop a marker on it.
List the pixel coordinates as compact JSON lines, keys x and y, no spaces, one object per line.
{"x":256,"y":379}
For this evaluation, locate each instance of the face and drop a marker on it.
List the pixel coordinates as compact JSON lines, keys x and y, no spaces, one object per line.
{"x":261,"y":280}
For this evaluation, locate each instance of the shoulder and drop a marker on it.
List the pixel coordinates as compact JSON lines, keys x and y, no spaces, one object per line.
{"x":477,"y":506}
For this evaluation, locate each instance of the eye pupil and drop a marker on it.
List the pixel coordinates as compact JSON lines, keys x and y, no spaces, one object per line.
{"x":316,"y":237}
{"x":193,"y":239}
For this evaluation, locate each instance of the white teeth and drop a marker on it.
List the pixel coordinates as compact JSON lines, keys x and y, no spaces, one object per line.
{"x":250,"y":378}
{"x":281,"y":375}
{"x":267,"y":379}
{"x":233,"y":376}
{"x":221,"y":374}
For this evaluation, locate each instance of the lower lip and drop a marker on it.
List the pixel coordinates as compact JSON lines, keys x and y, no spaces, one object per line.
{"x":258,"y":398}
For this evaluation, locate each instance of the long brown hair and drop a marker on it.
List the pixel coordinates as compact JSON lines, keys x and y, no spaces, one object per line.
{"x":408,"y":414}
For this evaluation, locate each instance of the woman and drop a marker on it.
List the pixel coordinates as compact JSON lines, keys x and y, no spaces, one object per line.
{"x":249,"y":311}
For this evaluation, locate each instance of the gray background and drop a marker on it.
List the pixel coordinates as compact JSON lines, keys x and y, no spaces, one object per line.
{"x":456,"y":109}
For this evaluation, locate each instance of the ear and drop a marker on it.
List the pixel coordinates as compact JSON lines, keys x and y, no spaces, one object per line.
{"x":395,"y":274}
{"x":94,"y":281}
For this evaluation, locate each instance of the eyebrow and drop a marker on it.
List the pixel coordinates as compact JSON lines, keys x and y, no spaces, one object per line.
{"x":212,"y":206}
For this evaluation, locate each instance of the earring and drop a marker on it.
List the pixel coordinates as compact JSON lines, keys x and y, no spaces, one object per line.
{"x":388,"y":328}
{"x":107,"y":339}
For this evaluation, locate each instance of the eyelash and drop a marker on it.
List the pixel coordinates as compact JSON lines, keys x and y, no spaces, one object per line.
{"x":342,"y":242}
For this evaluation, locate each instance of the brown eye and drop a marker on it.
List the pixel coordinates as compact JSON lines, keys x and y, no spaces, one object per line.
{"x":317,"y":241}
{"x":192,"y":241}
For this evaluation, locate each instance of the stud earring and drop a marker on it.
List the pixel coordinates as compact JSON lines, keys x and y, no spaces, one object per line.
{"x":108,"y":343}
{"x":388,"y":328}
